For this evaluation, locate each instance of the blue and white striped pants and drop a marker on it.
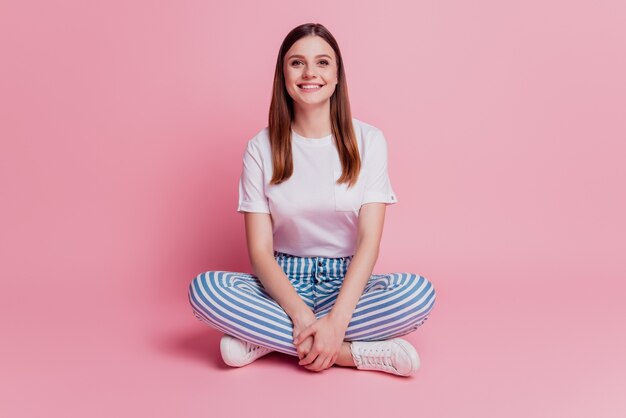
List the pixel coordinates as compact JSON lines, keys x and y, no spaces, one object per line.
{"x":237,"y":304}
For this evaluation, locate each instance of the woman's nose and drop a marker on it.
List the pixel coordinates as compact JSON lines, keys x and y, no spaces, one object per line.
{"x":308,"y":72}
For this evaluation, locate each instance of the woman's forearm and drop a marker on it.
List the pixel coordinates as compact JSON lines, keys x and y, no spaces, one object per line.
{"x":354,"y":282}
{"x":277,"y":284}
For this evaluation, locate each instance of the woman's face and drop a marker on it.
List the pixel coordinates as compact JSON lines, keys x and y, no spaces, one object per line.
{"x":310,"y":62}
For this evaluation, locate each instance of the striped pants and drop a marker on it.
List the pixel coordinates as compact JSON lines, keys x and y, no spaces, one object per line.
{"x":237,"y":304}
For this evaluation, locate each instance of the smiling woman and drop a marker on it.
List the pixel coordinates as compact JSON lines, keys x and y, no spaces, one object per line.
{"x":314,"y":189}
{"x":312,"y":74}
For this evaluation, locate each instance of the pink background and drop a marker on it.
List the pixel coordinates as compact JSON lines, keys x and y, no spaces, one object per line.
{"x":122,"y":129}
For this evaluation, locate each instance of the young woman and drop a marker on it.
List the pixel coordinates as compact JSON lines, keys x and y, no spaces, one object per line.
{"x":313,"y":190}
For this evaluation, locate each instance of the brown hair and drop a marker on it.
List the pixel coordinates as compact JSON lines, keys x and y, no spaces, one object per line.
{"x":281,"y":113}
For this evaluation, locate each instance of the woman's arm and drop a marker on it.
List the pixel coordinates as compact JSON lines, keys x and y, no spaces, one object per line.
{"x":329,"y":331}
{"x":261,"y":252}
{"x":370,"y":229}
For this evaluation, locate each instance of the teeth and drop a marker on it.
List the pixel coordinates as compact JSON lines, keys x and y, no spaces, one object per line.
{"x":310,"y":87}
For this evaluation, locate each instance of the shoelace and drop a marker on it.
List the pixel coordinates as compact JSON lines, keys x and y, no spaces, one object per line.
{"x":251,"y":348}
{"x":370,"y":357}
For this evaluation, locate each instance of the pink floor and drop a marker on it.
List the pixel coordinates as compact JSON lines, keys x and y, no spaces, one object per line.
{"x":513,"y":341}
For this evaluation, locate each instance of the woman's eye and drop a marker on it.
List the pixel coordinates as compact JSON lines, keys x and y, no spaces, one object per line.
{"x":298,"y":61}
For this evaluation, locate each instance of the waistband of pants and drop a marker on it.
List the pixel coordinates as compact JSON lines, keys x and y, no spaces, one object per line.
{"x":281,"y":254}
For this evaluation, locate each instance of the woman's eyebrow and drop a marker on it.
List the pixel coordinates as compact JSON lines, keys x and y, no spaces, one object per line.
{"x":302,"y":56}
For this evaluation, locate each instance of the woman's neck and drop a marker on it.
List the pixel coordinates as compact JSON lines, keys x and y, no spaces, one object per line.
{"x":313,"y":122}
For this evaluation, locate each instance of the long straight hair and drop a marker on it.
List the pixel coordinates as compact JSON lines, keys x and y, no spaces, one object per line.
{"x":281,"y":113}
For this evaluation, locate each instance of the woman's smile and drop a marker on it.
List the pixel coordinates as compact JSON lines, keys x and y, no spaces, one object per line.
{"x":310,"y":88}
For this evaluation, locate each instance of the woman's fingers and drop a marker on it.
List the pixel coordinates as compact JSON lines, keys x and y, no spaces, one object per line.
{"x":326,"y":363}
{"x":315,"y":366}
{"x":309,"y":358}
{"x":301,"y":336}
{"x":304,"y":347}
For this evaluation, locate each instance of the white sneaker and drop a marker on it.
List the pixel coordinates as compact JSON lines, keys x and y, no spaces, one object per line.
{"x":238,"y":353}
{"x":395,"y":356}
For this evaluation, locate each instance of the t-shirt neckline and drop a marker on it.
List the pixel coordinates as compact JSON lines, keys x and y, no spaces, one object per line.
{"x":325,"y":140}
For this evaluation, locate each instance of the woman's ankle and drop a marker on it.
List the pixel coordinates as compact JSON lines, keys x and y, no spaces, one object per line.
{"x":345,"y":356}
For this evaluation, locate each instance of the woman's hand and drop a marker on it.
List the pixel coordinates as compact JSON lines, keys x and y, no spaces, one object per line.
{"x":328,"y":336}
{"x":300,"y":323}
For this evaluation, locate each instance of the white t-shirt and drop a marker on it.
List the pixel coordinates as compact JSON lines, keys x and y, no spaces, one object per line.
{"x":312,"y":216}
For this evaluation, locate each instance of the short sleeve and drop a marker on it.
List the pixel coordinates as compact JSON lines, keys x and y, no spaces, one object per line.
{"x":251,"y":183}
{"x":377,"y":183}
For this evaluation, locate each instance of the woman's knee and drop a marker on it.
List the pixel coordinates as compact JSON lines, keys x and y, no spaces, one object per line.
{"x":423,"y":292}
{"x":200,"y":289}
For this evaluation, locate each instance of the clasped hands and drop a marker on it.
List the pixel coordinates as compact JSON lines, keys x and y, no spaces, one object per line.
{"x":318,"y":343}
